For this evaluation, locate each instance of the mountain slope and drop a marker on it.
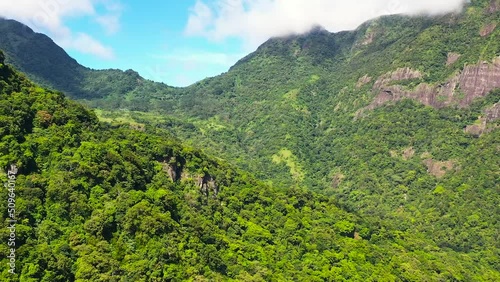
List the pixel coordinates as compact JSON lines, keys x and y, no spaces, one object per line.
{"x":48,"y":64}
{"x":37,"y":55}
{"x":94,"y":202}
{"x":295,"y":91}
{"x":101,"y":203}
{"x":397,"y":120}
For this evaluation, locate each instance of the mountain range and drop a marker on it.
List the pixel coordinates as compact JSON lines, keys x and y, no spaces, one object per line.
{"x":392,"y":129}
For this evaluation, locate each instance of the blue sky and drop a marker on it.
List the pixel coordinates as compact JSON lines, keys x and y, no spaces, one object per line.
{"x":182,"y":41}
{"x":151,"y":39}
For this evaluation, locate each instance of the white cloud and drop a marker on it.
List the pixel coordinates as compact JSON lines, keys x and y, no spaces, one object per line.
{"x":110,"y":22}
{"x":48,"y":17}
{"x":86,"y":44}
{"x":201,"y":17}
{"x":257,"y":20}
{"x":198,"y":58}
{"x":183,"y":67}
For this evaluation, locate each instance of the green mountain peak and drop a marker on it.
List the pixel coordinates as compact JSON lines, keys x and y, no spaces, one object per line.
{"x":371,"y":154}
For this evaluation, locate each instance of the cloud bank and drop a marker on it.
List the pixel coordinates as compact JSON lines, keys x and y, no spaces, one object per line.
{"x":255,"y":21}
{"x":185,"y":66}
{"x":48,"y":16}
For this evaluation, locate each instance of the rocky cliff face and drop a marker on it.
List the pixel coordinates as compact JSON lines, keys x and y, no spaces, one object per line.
{"x":397,"y":75}
{"x":170,"y":167}
{"x":452,"y":58}
{"x":472,"y":82}
{"x":207,"y":185}
{"x":493,"y":113}
{"x":494,"y":6}
{"x":487,"y":29}
{"x":483,"y":123}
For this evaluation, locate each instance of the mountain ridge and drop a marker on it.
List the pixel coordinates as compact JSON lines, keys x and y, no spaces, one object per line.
{"x":97,"y":202}
{"x":48,"y":64}
{"x":312,"y":71}
{"x":422,"y":177}
{"x":117,"y":197}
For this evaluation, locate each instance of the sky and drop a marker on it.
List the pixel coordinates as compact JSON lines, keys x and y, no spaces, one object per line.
{"x":179,"y":42}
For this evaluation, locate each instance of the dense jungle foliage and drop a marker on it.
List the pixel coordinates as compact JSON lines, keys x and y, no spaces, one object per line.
{"x":97,"y":202}
{"x":308,"y":189}
{"x":280,"y":99}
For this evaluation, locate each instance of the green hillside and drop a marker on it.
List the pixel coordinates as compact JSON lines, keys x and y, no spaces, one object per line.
{"x":392,"y":129}
{"x":298,"y":93}
{"x":302,"y":94}
{"x":49,"y":65}
{"x":96,"y":202}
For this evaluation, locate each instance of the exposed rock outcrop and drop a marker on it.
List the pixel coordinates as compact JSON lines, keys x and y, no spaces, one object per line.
{"x":207,"y":185}
{"x":437,"y":168}
{"x":493,"y":7}
{"x":363,"y":81}
{"x":370,"y":36}
{"x":476,"y":129}
{"x":397,"y":75}
{"x":171,"y":172}
{"x":473,"y":82}
{"x":487,"y":29}
{"x":452,"y":58}
{"x":481,"y":126}
{"x":478,"y":80}
{"x":171,"y":168}
{"x":492,"y":113}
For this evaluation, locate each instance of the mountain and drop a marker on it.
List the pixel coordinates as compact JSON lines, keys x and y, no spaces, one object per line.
{"x":37,"y":55}
{"x":48,"y":64}
{"x":397,"y":122}
{"x":303,"y":86}
{"x":95,"y":202}
{"x":101,"y":203}
{"x":294,"y":96}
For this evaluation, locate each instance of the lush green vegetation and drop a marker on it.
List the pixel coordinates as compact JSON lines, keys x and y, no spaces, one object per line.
{"x":48,"y":64}
{"x":400,"y":193}
{"x":299,"y":93}
{"x":98,"y":202}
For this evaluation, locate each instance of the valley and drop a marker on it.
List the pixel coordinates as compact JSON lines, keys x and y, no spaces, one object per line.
{"x":363,"y":155}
